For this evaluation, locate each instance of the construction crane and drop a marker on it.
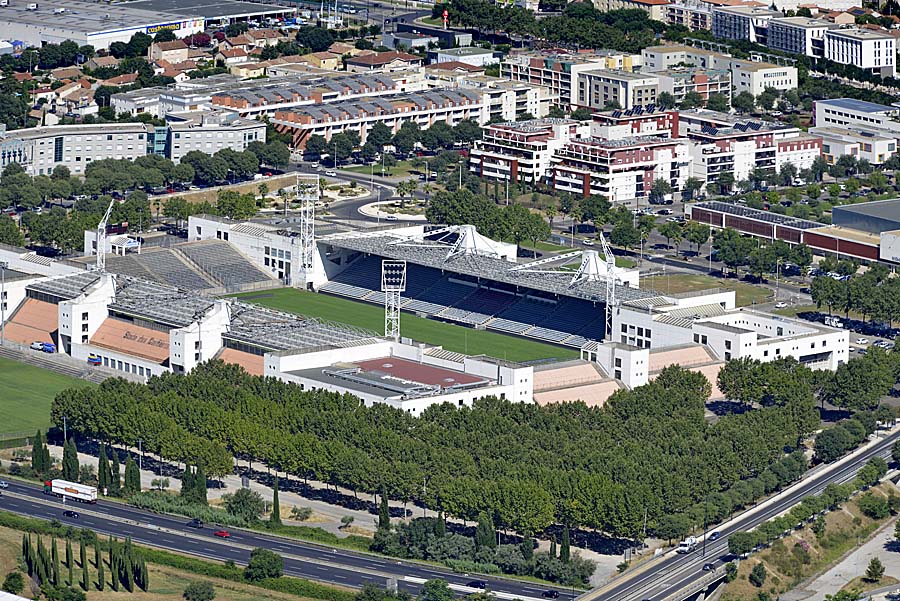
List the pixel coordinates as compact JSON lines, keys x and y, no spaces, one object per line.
{"x":101,"y":237}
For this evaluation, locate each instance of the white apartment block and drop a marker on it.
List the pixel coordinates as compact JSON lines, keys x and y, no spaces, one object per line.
{"x":681,"y":81}
{"x":728,"y":332}
{"x":662,"y":58}
{"x":522,"y":151}
{"x":799,"y":35}
{"x":870,"y":50}
{"x":743,"y":23}
{"x":849,"y":112}
{"x":41,"y":149}
{"x":621,"y":170}
{"x":604,"y":88}
{"x":748,"y":76}
{"x":210,"y":132}
{"x":798,"y":149}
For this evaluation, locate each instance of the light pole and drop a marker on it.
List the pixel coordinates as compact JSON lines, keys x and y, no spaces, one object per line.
{"x":4,"y":265}
{"x":65,"y":425}
{"x":140,"y":455}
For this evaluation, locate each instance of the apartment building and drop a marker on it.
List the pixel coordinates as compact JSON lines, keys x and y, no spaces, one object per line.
{"x":604,"y":88}
{"x":799,"y":35}
{"x":559,"y":71}
{"x":661,"y":58}
{"x":681,"y":81}
{"x":39,"y":150}
{"x":743,"y":23}
{"x":873,"y":51}
{"x":696,"y":16}
{"x":505,"y":100}
{"x":798,"y":149}
{"x":655,"y":8}
{"x":423,"y":108}
{"x":210,"y":132}
{"x":522,"y":151}
{"x":622,"y":170}
{"x":753,"y":77}
{"x":639,"y":121}
{"x":721,"y":143}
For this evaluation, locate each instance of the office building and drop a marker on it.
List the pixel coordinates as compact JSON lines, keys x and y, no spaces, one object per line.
{"x":873,"y":51}
{"x":753,"y":77}
{"x":799,"y":35}
{"x":470,"y":55}
{"x":874,"y":147}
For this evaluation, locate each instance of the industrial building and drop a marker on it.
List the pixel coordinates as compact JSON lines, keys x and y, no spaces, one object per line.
{"x":90,"y":23}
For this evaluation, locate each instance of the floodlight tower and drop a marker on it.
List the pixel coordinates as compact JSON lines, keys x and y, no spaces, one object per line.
{"x":101,"y":237}
{"x":307,"y":195}
{"x":393,"y":282}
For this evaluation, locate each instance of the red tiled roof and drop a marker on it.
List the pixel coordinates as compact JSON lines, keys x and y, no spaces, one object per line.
{"x":456,"y":66}
{"x":382,"y":58}
{"x":173,"y":45}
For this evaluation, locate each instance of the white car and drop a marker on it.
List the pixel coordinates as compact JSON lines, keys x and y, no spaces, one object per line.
{"x":391,"y":218}
{"x":781,"y":305}
{"x":587,"y":242}
{"x":862,"y":341}
{"x":331,"y":173}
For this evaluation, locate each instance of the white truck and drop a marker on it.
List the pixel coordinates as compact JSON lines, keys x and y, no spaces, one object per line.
{"x":687,"y":545}
{"x":71,"y":490}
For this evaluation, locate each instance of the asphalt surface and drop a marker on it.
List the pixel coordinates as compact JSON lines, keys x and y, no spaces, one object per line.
{"x":305,"y":560}
{"x":678,"y":572}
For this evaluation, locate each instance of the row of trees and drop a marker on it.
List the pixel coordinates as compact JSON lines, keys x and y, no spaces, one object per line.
{"x":511,"y":222}
{"x":757,"y":256}
{"x":648,"y":449}
{"x":872,"y":294}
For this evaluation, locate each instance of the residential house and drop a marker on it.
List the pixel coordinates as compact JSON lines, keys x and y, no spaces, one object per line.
{"x":120,"y":80}
{"x":232,"y":56}
{"x":174,"y":51}
{"x":240,"y":41}
{"x":266,"y":37}
{"x":101,"y":62}
{"x":70,"y":73}
{"x":387,"y":62}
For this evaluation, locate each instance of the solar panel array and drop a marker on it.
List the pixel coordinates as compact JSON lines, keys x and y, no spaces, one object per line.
{"x":767,"y":216}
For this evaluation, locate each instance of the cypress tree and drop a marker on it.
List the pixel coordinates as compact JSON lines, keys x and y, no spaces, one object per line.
{"x":42,"y":564}
{"x":132,"y":477}
{"x":440,"y":527}
{"x":384,"y":513}
{"x":564,"y":548}
{"x":37,"y":453}
{"x":85,"y":574}
{"x":145,"y":575}
{"x":70,"y":562}
{"x":484,"y":532}
{"x":128,"y":566}
{"x":200,"y":485}
{"x":275,"y":517}
{"x":70,"y":461}
{"x":101,"y":576}
{"x":112,"y":564}
{"x":187,"y":483}
{"x":103,"y":471}
{"x":115,"y":480}
{"x":527,"y":548}
{"x":553,"y":547}
{"x":54,"y":554}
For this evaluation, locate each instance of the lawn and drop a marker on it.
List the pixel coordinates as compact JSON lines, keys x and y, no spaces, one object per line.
{"x":28,"y":391}
{"x":747,"y":294}
{"x":451,"y":337}
{"x":401,"y":169}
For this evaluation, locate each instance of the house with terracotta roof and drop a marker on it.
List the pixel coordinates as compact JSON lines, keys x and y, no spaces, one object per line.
{"x":232,"y":56}
{"x":174,"y":51}
{"x":70,"y":73}
{"x":239,"y":41}
{"x":839,"y":18}
{"x":101,"y":62}
{"x":20,"y":77}
{"x":266,"y":37}
{"x":324,"y":60}
{"x":385,"y":62}
{"x":120,"y":80}
{"x":343,"y":48}
{"x":455,"y":67}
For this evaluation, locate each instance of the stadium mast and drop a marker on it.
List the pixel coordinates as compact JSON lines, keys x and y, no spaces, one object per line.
{"x":101,"y":237}
{"x":307,"y":196}
{"x":393,"y":282}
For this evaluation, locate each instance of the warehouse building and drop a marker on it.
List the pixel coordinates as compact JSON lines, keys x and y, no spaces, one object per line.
{"x":98,"y":25}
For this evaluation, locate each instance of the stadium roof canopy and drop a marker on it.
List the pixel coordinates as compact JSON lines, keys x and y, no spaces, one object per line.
{"x":437,"y":255}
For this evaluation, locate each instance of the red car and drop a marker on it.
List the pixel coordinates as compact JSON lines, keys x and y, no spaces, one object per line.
{"x":222,"y":533}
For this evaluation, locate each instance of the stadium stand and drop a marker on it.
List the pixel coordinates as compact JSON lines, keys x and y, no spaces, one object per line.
{"x":223,"y":262}
{"x":168,"y":268}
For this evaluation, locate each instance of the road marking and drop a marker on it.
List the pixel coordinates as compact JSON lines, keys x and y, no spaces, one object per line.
{"x":339,"y":577}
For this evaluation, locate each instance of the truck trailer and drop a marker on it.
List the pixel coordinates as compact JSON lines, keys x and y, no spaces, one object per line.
{"x":71,"y":490}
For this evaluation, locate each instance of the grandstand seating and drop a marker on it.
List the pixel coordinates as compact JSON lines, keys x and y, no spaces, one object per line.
{"x":223,"y":262}
{"x":129,"y":265}
{"x":569,"y":321}
{"x":170,"y":269}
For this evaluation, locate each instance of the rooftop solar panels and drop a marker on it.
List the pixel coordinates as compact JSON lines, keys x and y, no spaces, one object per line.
{"x":742,"y":211}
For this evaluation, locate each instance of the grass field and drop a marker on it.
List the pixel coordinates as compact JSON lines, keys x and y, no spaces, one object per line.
{"x":401,"y":169}
{"x":27,"y":393}
{"x":451,"y":337}
{"x":746,"y":294}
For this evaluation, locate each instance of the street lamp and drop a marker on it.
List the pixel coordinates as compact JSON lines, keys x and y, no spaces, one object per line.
{"x":140,"y":455}
{"x":4,"y":265}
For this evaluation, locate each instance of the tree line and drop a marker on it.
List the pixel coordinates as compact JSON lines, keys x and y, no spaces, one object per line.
{"x":648,"y":450}
{"x":872,"y":294}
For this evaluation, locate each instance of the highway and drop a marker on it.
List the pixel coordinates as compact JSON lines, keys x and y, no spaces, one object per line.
{"x":305,"y":560}
{"x":676,"y":572}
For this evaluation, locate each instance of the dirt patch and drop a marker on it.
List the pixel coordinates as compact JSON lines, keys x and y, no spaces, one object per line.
{"x":274,"y":183}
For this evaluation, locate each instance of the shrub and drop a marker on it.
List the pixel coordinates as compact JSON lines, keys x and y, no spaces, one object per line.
{"x":301,"y":514}
{"x":14,"y":583}
{"x":199,"y":591}
{"x":758,"y":575}
{"x":874,"y":506}
{"x":263,"y":564}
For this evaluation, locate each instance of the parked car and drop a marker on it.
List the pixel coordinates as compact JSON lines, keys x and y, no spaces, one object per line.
{"x":222,"y":533}
{"x":780,"y":305}
{"x":862,"y":341}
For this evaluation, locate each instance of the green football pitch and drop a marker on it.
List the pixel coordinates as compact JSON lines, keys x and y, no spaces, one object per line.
{"x":27,"y":394}
{"x":371,"y":317}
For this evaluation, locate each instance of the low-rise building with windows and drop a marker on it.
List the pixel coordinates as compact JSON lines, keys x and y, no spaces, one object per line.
{"x":602,"y":89}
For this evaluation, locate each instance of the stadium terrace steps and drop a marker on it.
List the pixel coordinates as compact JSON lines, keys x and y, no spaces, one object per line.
{"x":223,"y":263}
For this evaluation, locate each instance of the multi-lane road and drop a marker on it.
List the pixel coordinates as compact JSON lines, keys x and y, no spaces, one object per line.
{"x":678,"y":572}
{"x":315,"y":562}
